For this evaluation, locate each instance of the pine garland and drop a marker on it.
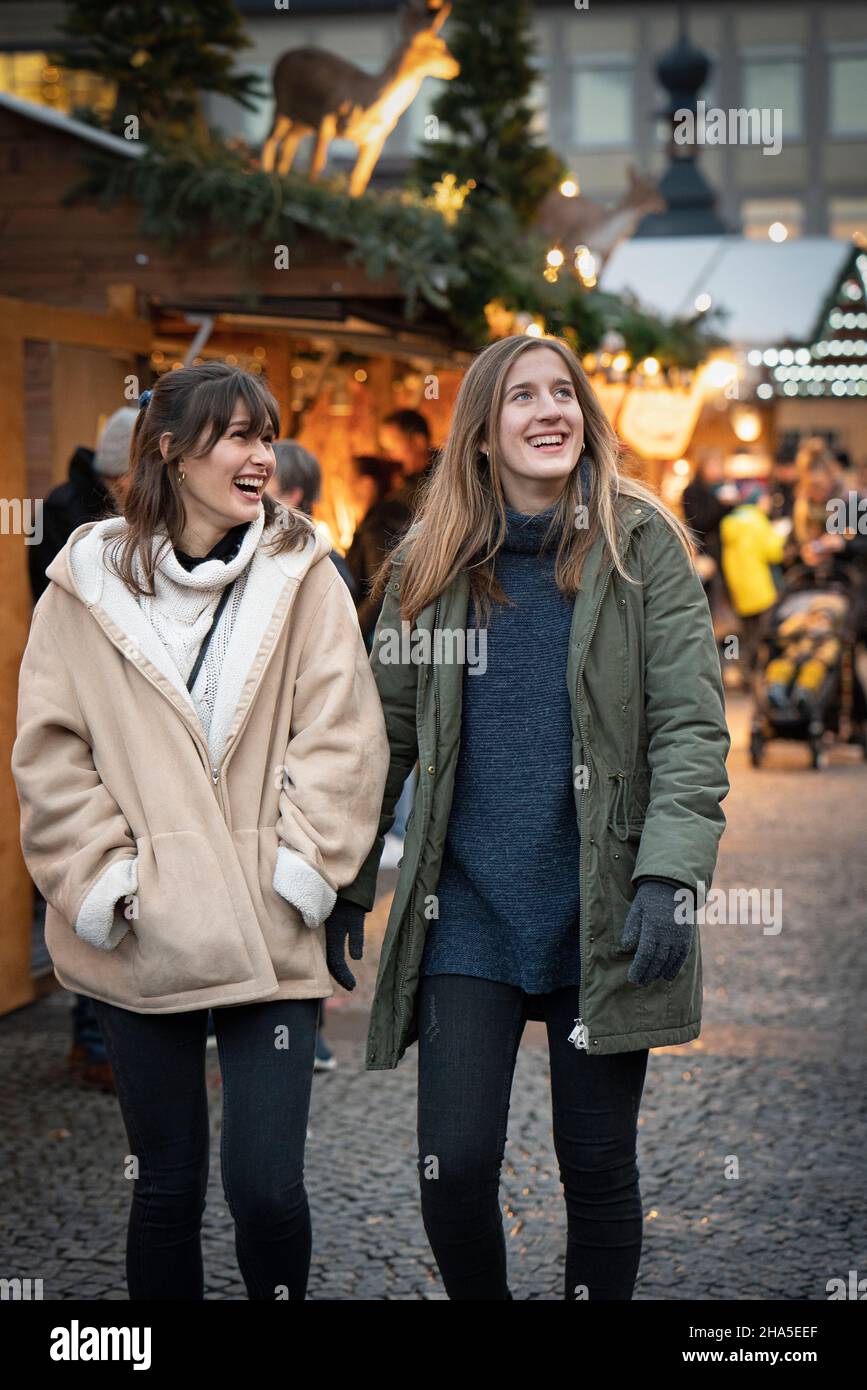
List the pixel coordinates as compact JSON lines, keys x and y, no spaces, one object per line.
{"x":208,"y":191}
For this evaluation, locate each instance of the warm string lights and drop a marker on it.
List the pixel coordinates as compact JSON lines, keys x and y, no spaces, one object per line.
{"x":583,"y":260}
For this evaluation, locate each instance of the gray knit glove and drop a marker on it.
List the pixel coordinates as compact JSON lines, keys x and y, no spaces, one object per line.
{"x":653,"y":925}
{"x":347,"y":919}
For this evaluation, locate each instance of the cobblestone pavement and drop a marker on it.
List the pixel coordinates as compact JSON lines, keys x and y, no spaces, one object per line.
{"x":776,"y":1080}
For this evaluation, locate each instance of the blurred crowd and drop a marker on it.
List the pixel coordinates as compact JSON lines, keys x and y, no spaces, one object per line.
{"x":759,"y":537}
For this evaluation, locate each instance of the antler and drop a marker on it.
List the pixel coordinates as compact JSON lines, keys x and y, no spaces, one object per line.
{"x":423,"y":14}
{"x":443,"y":9}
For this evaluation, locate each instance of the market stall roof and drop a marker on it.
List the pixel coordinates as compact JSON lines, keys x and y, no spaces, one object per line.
{"x":59,"y":120}
{"x":356,"y":325}
{"x":75,"y":255}
{"x":773,"y":292}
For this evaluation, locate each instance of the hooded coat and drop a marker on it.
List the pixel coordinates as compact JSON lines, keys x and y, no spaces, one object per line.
{"x":649,"y":748}
{"x":183,"y":871}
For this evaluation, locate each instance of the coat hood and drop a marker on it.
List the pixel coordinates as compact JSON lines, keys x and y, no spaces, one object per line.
{"x":80,"y":566}
{"x":82,"y":571}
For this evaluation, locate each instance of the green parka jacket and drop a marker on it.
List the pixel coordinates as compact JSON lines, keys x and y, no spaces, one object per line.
{"x":649,"y":747}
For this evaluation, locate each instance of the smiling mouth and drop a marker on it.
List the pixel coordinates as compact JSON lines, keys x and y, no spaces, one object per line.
{"x":249,"y":486}
{"x":554,"y":439}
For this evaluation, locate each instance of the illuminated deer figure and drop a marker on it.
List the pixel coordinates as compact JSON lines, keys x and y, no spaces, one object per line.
{"x":319,"y":93}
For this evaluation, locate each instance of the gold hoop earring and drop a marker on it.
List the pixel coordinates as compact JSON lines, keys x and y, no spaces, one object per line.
{"x":181,"y":476}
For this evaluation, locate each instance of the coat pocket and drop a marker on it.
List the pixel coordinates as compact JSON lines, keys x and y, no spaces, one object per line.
{"x":187,"y":932}
{"x":295,"y":950}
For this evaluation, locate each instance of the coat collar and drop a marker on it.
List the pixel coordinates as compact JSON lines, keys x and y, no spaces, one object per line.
{"x":450,"y":611}
{"x":633,"y":512}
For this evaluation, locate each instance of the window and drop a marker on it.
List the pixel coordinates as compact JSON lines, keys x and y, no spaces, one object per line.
{"x":602,"y":107}
{"x":848,"y":82}
{"x":759,"y":215}
{"x":849,"y":218}
{"x":776,"y":83}
{"x":537,"y":100}
{"x":31,"y":77}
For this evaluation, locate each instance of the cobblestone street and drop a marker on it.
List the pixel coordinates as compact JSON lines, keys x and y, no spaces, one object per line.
{"x":776,"y":1079}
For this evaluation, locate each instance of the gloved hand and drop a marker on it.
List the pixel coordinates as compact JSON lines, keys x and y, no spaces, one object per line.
{"x":660,"y":928}
{"x":347,"y":919}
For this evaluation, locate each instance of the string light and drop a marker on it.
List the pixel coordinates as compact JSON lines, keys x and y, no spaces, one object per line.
{"x":585,"y":264}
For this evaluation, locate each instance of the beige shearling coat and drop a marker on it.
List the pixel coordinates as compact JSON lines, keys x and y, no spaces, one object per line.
{"x":183,"y":871}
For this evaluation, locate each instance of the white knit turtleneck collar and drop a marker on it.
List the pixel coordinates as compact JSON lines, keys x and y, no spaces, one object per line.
{"x":211,"y":574}
{"x":182,"y":606}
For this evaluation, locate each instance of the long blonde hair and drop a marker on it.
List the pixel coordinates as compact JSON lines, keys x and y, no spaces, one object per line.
{"x":461,"y":521}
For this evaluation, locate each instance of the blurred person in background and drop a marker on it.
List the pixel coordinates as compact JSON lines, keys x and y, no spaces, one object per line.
{"x":830,"y":553}
{"x":784,"y":478}
{"x":96,"y":487}
{"x":385,"y":520}
{"x":820,"y":479}
{"x":703,"y":511}
{"x":405,"y":437}
{"x":297,"y":484}
{"x":750,"y":548}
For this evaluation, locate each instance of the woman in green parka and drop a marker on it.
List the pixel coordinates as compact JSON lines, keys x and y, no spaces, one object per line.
{"x":545,"y":651}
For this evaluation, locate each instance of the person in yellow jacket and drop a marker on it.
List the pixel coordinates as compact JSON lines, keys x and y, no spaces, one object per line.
{"x":750,"y":546}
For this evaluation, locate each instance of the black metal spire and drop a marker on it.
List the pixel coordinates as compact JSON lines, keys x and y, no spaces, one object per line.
{"x":691,"y":210}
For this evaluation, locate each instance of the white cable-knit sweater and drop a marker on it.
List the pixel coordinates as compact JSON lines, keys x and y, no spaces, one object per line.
{"x":182,"y":608}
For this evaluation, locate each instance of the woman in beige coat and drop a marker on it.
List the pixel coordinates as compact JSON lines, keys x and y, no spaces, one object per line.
{"x":190,"y":842}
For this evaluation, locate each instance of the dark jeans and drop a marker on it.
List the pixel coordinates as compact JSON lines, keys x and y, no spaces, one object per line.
{"x":266,"y":1061}
{"x":469,"y":1032}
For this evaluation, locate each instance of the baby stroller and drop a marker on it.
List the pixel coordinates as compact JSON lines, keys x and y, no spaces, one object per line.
{"x":805,"y":685}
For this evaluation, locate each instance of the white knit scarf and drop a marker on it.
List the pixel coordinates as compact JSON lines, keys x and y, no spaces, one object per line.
{"x":182,"y":608}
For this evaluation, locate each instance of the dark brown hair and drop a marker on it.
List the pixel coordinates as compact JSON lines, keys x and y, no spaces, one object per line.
{"x":189,"y":403}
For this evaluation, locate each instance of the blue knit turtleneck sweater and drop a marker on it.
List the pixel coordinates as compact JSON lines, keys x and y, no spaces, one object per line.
{"x":508,"y":896}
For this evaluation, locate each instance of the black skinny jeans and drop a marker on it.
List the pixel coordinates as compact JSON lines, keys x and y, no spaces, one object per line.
{"x":469,"y":1032}
{"x":266,"y":1060}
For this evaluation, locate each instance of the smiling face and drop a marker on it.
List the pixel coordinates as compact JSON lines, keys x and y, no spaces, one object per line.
{"x":541,"y":430}
{"x":224,"y":487}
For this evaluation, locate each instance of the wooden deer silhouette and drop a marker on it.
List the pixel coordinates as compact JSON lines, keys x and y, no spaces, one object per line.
{"x":319,"y":93}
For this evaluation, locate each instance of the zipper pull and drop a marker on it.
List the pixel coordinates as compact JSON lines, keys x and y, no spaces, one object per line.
{"x":578,"y":1036}
{"x":215,"y":775}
